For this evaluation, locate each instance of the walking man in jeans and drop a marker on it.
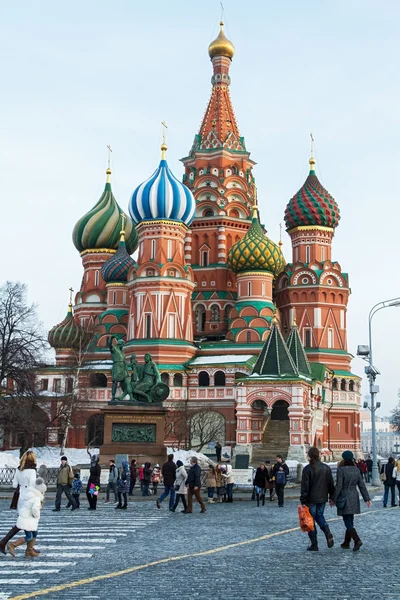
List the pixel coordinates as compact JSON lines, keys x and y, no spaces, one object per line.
{"x":280,"y":473}
{"x":64,"y":484}
{"x":112,"y":481}
{"x":194,"y":484}
{"x":316,"y":487}
{"x":169,"y":475}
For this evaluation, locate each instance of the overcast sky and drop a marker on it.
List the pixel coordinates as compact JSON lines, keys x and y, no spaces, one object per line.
{"x":77,"y":76}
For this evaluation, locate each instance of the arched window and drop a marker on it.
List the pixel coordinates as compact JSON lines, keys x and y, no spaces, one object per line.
{"x":338,"y":426}
{"x":96,"y":278}
{"x":178,"y":380}
{"x":214,"y":310}
{"x":307,"y":338}
{"x":322,"y":253}
{"x":200,"y":317}
{"x":330,"y":338}
{"x":204,"y":258}
{"x":97,"y":380}
{"x":69,"y":385}
{"x":153,"y":249}
{"x":169,"y":249}
{"x":95,"y":430}
{"x":219,"y":379}
{"x":165,"y":378}
{"x":204,"y":379}
{"x":343,"y":385}
{"x":208,"y":213}
{"x":351,"y":386}
{"x":334,"y":384}
{"x":249,"y":288}
{"x":148,"y":326}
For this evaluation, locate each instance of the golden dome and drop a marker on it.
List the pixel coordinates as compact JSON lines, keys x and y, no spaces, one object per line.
{"x":221,"y":46}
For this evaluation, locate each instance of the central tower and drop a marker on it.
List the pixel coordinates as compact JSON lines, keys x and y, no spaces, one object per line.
{"x":218,"y":171}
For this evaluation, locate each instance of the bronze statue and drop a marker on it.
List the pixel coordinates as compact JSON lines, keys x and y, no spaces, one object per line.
{"x":119,"y":373}
{"x":149,"y":387}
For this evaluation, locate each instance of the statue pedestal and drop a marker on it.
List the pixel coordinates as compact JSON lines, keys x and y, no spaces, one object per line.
{"x":135,"y":430}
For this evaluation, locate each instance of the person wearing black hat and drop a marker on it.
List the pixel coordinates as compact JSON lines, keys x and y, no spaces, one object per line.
{"x":65,"y":478}
{"x":347,"y":497}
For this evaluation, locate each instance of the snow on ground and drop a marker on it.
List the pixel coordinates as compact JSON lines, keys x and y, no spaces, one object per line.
{"x":49,"y":456}
{"x":186,"y":455}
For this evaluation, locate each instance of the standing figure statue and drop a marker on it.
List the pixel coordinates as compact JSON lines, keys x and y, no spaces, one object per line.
{"x":119,"y":372}
{"x":149,"y":377}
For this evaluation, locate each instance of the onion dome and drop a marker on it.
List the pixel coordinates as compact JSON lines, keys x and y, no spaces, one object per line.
{"x":255,"y":251}
{"x":221,"y":46}
{"x":68,"y":334}
{"x":162,"y":196}
{"x":100,"y":227}
{"x":115,"y":270}
{"x":312,"y":205}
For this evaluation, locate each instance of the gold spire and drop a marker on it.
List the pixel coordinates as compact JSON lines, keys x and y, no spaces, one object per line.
{"x":164,"y":146}
{"x":221,"y":46}
{"x":294,"y":321}
{"x":70,"y":300}
{"x":122,"y":232}
{"x":255,"y":213}
{"x":312,"y":159}
{"x":274,"y":317}
{"x":108,"y":171}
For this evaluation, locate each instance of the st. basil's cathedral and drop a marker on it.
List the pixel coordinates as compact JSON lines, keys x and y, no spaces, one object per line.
{"x":235,"y":330}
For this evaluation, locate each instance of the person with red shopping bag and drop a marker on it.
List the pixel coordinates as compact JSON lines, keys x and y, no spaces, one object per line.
{"x":316,"y":488}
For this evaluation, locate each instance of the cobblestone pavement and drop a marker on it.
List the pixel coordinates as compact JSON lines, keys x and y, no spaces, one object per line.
{"x":229,"y":561}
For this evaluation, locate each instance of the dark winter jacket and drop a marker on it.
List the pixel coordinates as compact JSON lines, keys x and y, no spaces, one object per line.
{"x":276,"y":468}
{"x":388,"y":470}
{"x":369,"y":464}
{"x":169,"y":473}
{"x":124,"y":480}
{"x":261,"y":477}
{"x":194,"y":476}
{"x":76,"y":486}
{"x":317,"y":484}
{"x":95,"y":472}
{"x":349,"y":479}
{"x":133,"y":470}
{"x":147,"y":473}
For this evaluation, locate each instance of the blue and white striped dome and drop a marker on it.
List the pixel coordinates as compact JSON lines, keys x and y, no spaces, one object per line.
{"x":162,"y":196}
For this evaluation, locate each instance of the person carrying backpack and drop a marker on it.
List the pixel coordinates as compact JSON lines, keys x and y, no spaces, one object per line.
{"x":112,"y":481}
{"x":280,"y":472}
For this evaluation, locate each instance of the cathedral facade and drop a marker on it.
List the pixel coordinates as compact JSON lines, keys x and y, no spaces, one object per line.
{"x":237,"y":332}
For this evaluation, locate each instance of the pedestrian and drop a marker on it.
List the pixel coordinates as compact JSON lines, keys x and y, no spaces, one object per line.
{"x":211,"y":483}
{"x":317,"y":488}
{"x":112,"y":481}
{"x":347,"y":497}
{"x":219,"y":482}
{"x":146,"y":478}
{"x":169,"y":476}
{"x":218,"y":451}
{"x":229,"y":481}
{"x":261,"y":478}
{"x":368,"y":462}
{"x":133,"y":474}
{"x":398,"y":476}
{"x":180,"y":486}
{"x":155,"y":478}
{"x":141,"y":479}
{"x":194,"y":486}
{"x":64,"y":484}
{"x":281,"y":473}
{"x":76,"y":490}
{"x":93,"y":484}
{"x":28,"y":518}
{"x":271,"y":482}
{"x":123,"y":485}
{"x":24,"y":480}
{"x":389,"y":481}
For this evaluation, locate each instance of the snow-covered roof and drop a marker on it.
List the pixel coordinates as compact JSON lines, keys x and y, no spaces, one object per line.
{"x":220,"y":360}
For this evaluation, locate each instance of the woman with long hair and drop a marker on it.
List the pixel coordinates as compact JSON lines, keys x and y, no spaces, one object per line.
{"x":349,"y":485}
{"x":24,"y":480}
{"x":260,"y":483}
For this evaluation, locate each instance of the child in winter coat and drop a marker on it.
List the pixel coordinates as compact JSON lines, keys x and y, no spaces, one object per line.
{"x":28,"y":518}
{"x":77,"y":488}
{"x":123,"y":485}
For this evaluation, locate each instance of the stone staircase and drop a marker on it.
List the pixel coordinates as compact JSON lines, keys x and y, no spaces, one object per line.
{"x":275,"y":441}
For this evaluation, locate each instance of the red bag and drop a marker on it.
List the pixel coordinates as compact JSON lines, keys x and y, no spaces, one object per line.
{"x":305,"y":519}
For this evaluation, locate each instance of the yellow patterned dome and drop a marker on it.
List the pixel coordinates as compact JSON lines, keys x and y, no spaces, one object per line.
{"x":221,"y":46}
{"x":256,"y":252}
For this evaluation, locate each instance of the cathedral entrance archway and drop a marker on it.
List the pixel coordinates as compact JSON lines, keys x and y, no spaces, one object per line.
{"x":280,"y":411}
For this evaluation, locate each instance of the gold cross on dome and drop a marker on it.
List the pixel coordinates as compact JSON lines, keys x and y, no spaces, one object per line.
{"x":164,"y":136}
{"x":312,"y":145}
{"x":71,"y":291}
{"x":109,"y":155}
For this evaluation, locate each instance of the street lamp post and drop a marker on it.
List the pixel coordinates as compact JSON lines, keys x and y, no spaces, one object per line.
{"x":372,"y":372}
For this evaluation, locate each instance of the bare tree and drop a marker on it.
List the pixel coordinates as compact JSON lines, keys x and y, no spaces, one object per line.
{"x":177,"y":423}
{"x":395,"y":418}
{"x":206,"y":426}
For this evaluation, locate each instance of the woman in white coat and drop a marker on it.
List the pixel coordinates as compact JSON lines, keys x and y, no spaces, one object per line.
{"x":24,"y":478}
{"x":180,"y":486}
{"x":229,"y":482}
{"x":28,"y":518}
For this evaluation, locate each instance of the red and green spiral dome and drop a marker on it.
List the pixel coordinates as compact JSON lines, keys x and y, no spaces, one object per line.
{"x":312,"y":205}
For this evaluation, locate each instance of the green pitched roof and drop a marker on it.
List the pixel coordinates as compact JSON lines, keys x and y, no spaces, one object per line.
{"x":297,"y":351}
{"x":275,"y":359}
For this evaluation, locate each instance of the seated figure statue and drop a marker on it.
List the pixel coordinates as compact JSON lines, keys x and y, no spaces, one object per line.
{"x":148,"y":377}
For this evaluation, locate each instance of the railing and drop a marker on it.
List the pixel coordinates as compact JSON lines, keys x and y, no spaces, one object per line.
{"x":49,"y":475}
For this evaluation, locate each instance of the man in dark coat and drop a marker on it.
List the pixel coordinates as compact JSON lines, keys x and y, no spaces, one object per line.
{"x":169,"y":475}
{"x":316,"y":487}
{"x":280,"y":473}
{"x":194,"y":484}
{"x":218,"y":450}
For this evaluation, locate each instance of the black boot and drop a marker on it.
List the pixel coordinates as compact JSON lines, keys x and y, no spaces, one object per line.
{"x":313,"y":539}
{"x":347,"y":540}
{"x":7,"y":538}
{"x":263,"y":500}
{"x":357,"y":541}
{"x":329,"y":536}
{"x":258,"y":499}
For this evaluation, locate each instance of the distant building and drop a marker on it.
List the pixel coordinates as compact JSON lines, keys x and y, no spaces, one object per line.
{"x":387,"y":440}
